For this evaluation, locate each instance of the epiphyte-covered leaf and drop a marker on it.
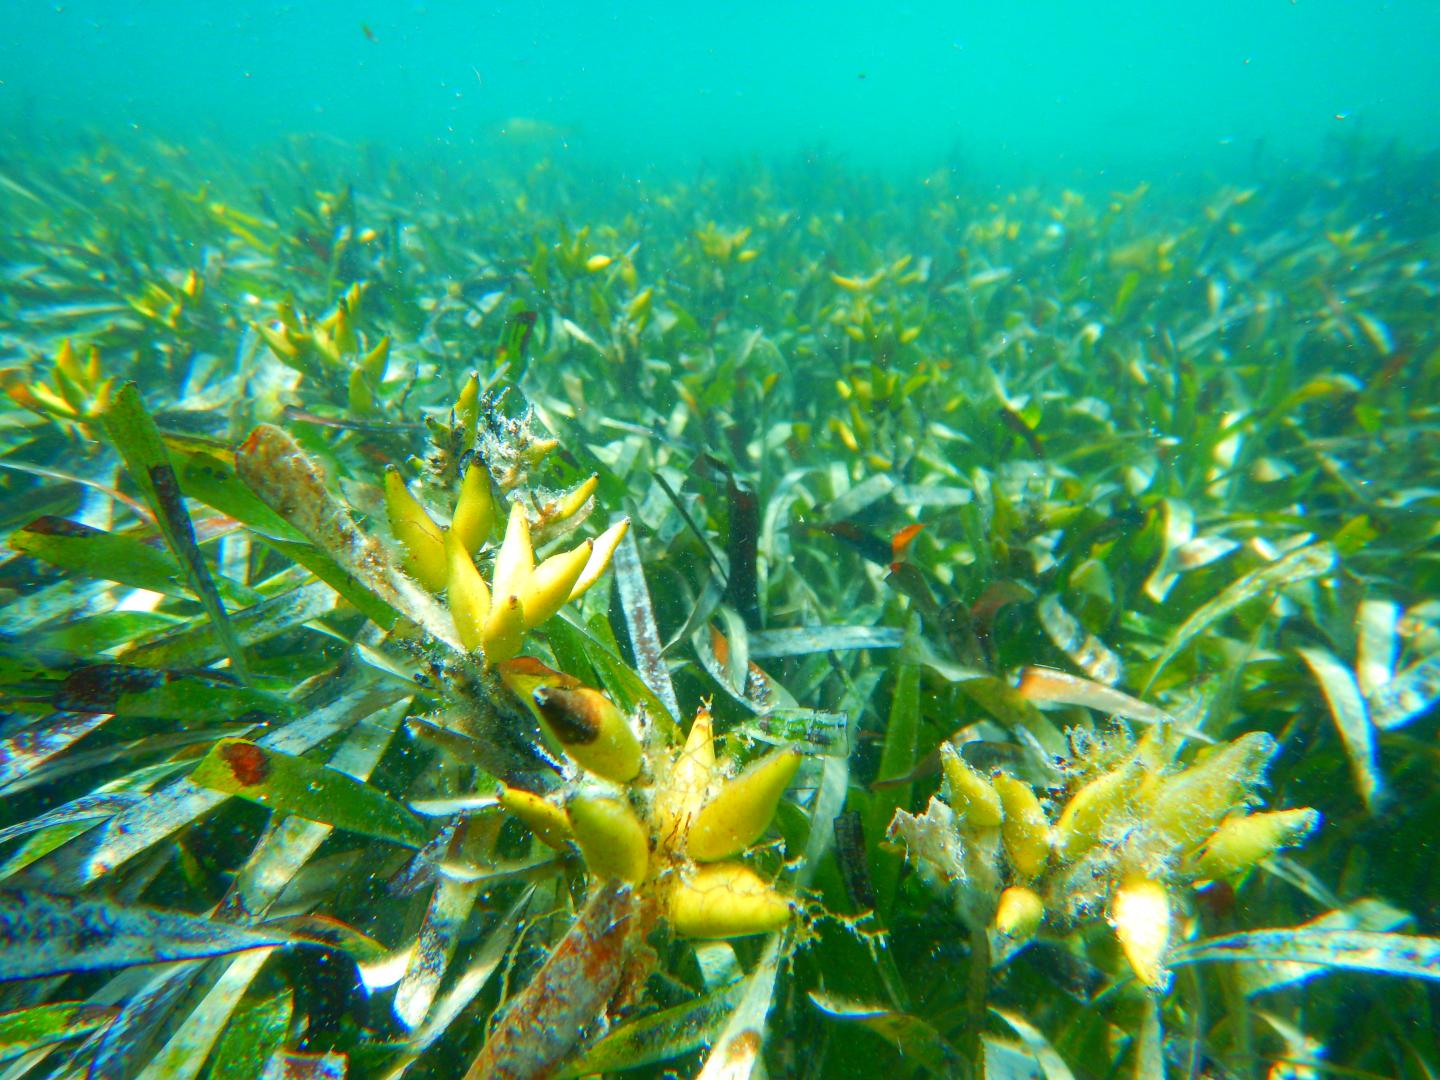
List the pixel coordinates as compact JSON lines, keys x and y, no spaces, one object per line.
{"x":293,"y":785}
{"x":21,"y":1029}
{"x":41,"y":740}
{"x":41,"y":934}
{"x":255,"y":1032}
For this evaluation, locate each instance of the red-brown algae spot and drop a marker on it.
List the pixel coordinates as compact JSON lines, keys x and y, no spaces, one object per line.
{"x":743,"y":1046}
{"x":248,"y":763}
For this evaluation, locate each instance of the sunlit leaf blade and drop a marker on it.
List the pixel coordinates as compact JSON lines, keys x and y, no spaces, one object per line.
{"x":1377,"y":643}
{"x":293,"y":785}
{"x":660,"y":1036}
{"x":450,"y":906}
{"x":1355,"y":950}
{"x":1307,"y":562}
{"x":736,"y":1050}
{"x":1085,"y":650}
{"x":49,"y":935}
{"x":1046,"y":686}
{"x":915,"y":1039}
{"x":1046,"y":1056}
{"x":85,"y":808}
{"x":137,"y":438}
{"x":184,"y":1053}
{"x":1407,"y":695}
{"x":1258,"y":976}
{"x":1352,"y":721}
{"x":804,"y":640}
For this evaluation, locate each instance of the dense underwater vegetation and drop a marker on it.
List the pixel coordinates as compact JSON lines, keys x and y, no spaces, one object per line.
{"x":520,"y":610}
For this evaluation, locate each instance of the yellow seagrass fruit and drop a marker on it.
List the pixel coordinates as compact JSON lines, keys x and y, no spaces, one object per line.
{"x":1243,"y":840}
{"x":474,"y":515}
{"x":422,"y":543}
{"x":546,"y":820}
{"x":1090,"y":808}
{"x":591,"y":730}
{"x":1187,"y":806}
{"x":725,"y":900}
{"x":740,"y":811}
{"x":1019,"y":912}
{"x":1140,"y":913}
{"x":469,"y":598}
{"x":467,"y":411}
{"x":972,"y":797}
{"x":552,"y":581}
{"x":1024,"y":831}
{"x":683,"y":791}
{"x":611,"y":838}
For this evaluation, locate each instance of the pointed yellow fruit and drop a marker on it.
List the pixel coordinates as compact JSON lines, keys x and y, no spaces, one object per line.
{"x":600,"y":555}
{"x":725,"y":900}
{"x":474,"y":515}
{"x":596,"y":263}
{"x":546,"y":820}
{"x":278,"y":341}
{"x":424,"y":547}
{"x":373,"y":362}
{"x":1089,"y":810}
{"x":1024,"y":832}
{"x":345,"y":340}
{"x":1186,"y":807}
{"x":1243,"y":840}
{"x":611,"y":838}
{"x":1140,"y":914}
{"x":504,"y":630}
{"x":552,"y":581}
{"x":570,"y":503}
{"x":1019,"y":913}
{"x":469,"y":597}
{"x":361,"y":400}
{"x":592,"y":731}
{"x":467,"y":411}
{"x":972,"y":797}
{"x":68,"y":361}
{"x":737,"y":814}
{"x":680,"y":797}
{"x":515,"y":561}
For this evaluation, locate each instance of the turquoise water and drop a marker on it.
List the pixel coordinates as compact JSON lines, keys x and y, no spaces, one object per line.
{"x":1052,"y":88}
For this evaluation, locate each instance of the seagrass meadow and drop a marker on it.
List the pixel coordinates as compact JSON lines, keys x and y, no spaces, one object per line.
{"x":771,"y":619}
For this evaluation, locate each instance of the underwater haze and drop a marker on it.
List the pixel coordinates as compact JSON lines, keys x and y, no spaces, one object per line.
{"x":561,"y":541}
{"x":1051,"y":88}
